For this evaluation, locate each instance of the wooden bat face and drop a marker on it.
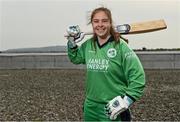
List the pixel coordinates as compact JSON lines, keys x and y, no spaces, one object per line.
{"x":149,"y":26}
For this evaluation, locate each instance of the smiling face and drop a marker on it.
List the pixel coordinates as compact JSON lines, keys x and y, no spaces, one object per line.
{"x":101,"y":24}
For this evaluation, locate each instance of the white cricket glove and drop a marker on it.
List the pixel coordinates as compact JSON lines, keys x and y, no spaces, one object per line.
{"x":74,"y":36}
{"x":117,"y":105}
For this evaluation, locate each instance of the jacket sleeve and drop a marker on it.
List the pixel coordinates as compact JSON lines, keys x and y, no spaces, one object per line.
{"x":77,"y":54}
{"x":134,"y":73}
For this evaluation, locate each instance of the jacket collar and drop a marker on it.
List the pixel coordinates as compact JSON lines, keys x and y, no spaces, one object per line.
{"x":111,"y":38}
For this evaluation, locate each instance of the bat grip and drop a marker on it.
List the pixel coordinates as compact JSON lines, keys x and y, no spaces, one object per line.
{"x":86,"y":33}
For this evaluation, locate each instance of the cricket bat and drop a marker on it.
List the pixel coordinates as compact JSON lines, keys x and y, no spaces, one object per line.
{"x":138,"y":28}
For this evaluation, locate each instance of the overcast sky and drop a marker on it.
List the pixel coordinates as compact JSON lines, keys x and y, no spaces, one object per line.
{"x":39,"y":23}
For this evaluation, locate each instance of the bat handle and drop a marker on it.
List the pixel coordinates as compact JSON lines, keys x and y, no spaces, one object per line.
{"x":86,"y":33}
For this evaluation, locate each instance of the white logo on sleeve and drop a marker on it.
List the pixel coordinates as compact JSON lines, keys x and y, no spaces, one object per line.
{"x":111,"y":53}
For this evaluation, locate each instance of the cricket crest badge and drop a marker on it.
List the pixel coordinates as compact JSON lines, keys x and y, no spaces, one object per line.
{"x":111,"y":53}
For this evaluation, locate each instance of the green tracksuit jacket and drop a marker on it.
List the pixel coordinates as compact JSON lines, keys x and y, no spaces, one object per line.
{"x":112,"y":70}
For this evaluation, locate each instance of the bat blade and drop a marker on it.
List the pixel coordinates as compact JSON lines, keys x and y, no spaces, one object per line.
{"x":148,"y":26}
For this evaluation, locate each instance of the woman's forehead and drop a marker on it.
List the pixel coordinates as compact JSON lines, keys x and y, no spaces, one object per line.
{"x":100,"y":14}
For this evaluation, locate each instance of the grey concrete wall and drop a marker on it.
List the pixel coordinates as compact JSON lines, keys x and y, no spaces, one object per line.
{"x":160,"y":60}
{"x":150,"y":60}
{"x":36,"y":61}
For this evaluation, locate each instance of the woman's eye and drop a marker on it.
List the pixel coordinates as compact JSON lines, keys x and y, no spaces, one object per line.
{"x":95,"y":21}
{"x":105,"y":20}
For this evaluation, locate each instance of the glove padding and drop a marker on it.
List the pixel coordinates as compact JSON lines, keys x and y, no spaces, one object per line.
{"x":115,"y":107}
{"x":75,"y":32}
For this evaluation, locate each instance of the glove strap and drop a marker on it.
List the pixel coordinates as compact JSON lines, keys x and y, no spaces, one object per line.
{"x":128,"y":100}
{"x":71,"y":44}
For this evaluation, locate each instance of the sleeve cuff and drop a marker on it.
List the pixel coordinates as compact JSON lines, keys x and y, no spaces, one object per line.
{"x":128,"y":100}
{"x":74,"y":47}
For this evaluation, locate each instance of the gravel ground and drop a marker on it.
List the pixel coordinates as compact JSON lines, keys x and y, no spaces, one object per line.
{"x":40,"y":95}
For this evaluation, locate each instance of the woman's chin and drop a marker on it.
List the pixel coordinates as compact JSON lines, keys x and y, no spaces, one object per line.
{"x":102,"y":35}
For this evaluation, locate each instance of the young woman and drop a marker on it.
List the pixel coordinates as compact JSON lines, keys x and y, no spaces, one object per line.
{"x":115,"y":76}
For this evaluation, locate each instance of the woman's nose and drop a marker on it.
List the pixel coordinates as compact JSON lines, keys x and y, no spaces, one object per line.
{"x":100,"y":23}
